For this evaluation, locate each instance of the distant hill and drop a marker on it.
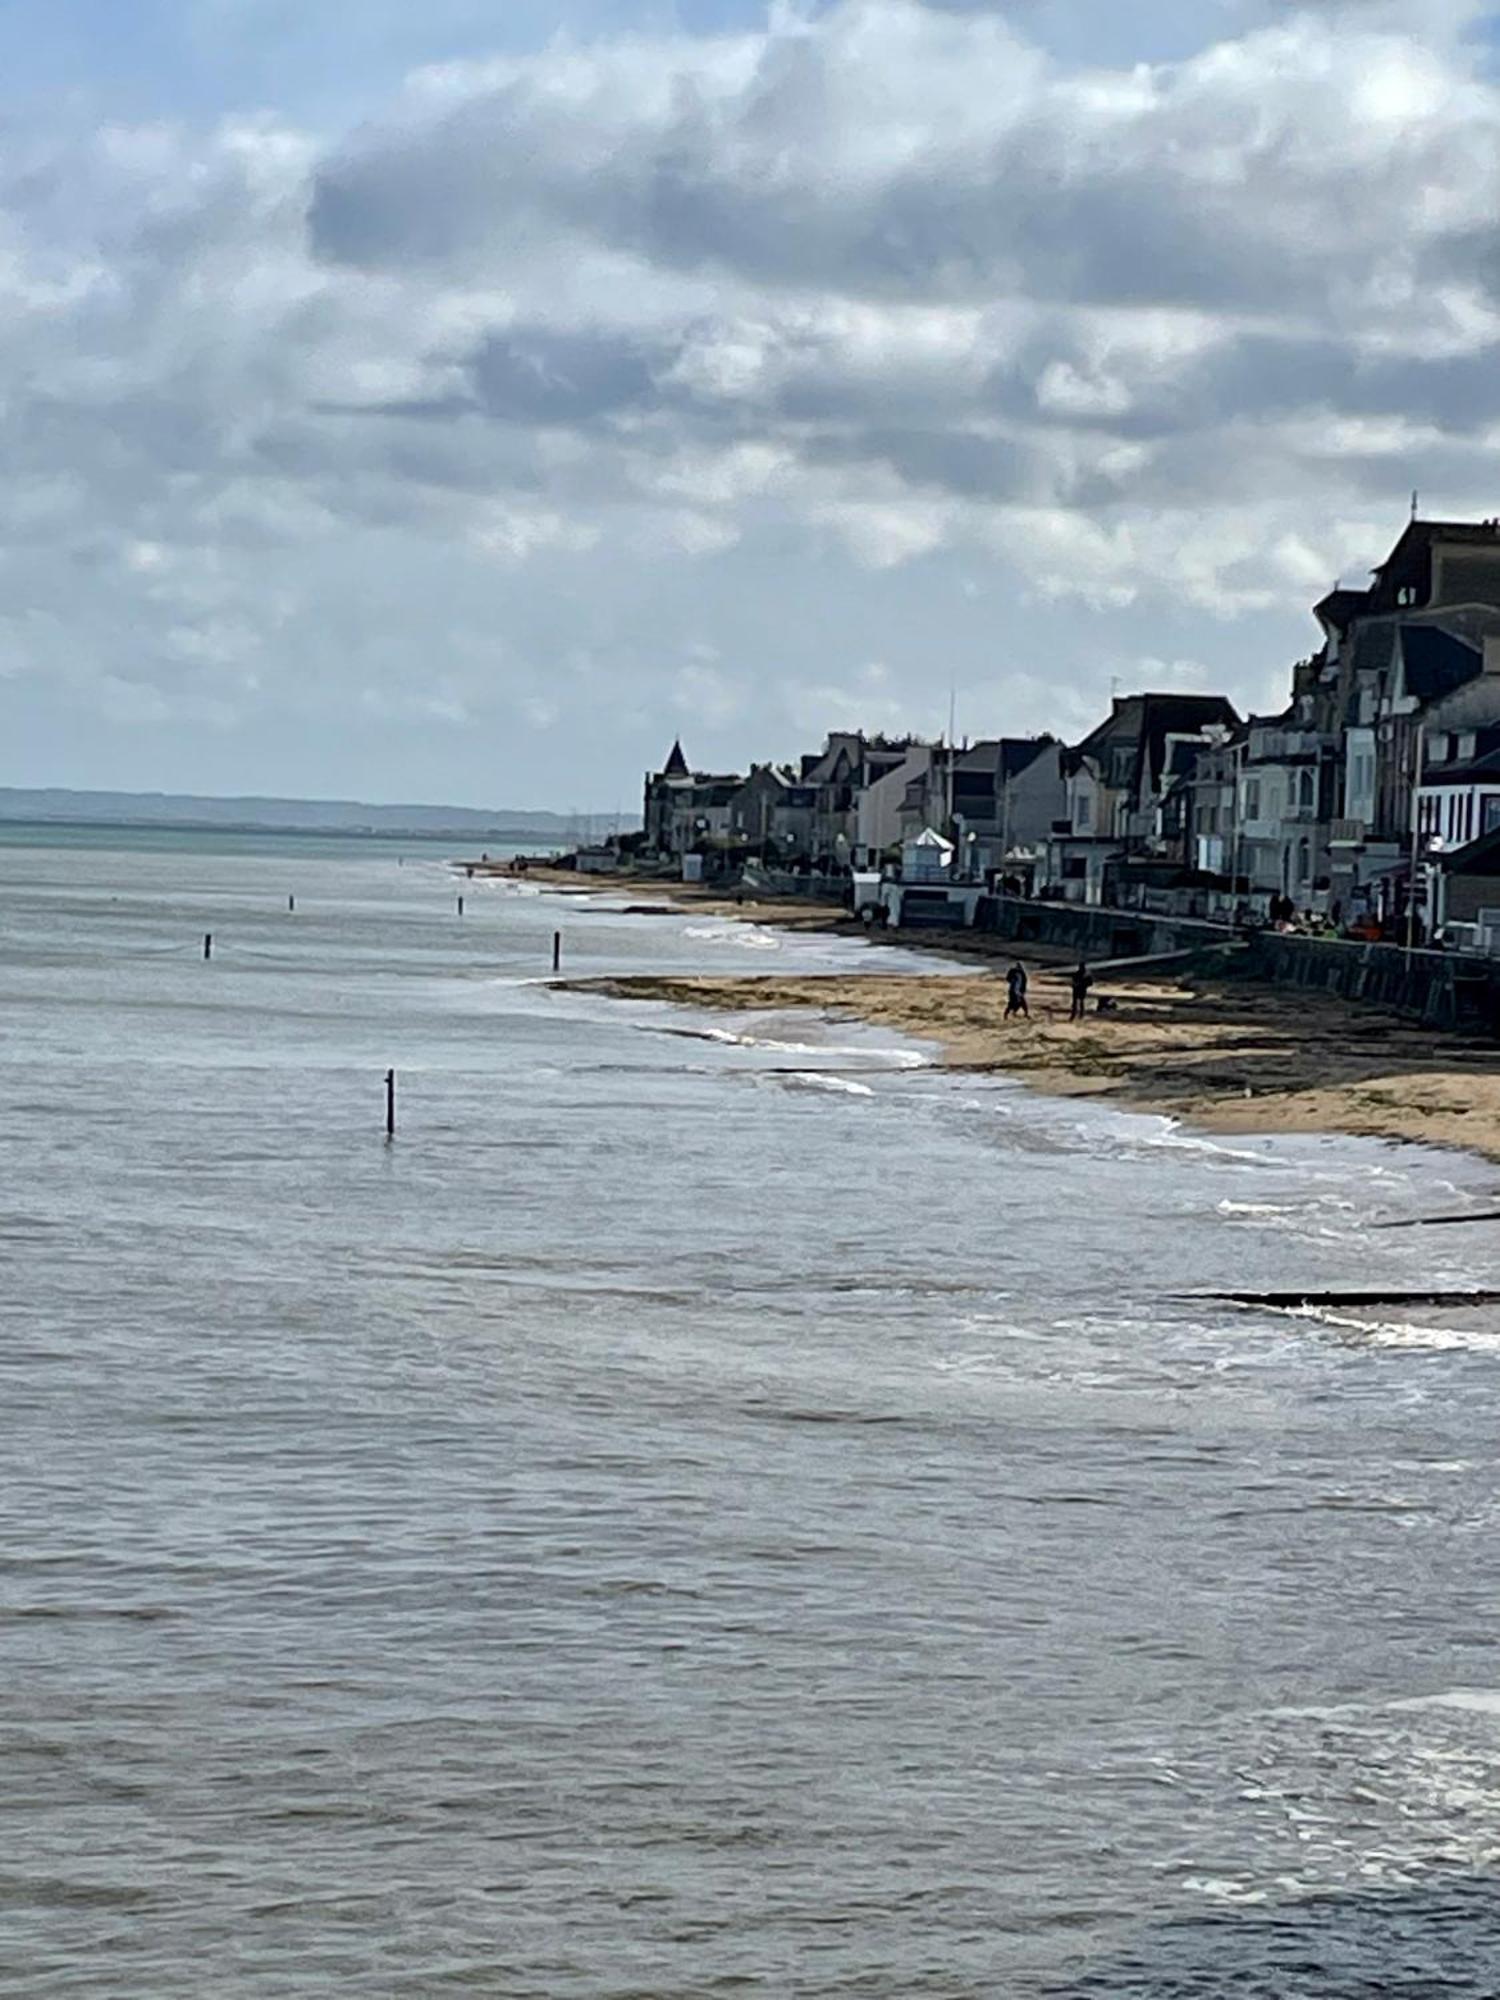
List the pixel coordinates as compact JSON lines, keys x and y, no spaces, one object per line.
{"x":300,"y":815}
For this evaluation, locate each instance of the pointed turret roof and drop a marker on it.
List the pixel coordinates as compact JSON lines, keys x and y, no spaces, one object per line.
{"x":676,"y":765}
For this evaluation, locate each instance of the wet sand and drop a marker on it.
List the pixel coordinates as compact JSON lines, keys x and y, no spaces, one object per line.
{"x":1229,"y":1055}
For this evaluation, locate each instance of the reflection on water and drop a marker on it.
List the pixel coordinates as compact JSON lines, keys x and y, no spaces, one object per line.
{"x":735,"y":1511}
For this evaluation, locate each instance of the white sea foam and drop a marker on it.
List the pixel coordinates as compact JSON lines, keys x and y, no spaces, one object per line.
{"x":1173,"y":1135}
{"x":897,"y":1058}
{"x":1403,"y":1333}
{"x":1476,"y":1701}
{"x":749,"y":937}
{"x":814,"y":1079}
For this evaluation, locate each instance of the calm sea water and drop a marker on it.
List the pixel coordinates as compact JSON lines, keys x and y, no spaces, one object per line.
{"x":711,"y":1509}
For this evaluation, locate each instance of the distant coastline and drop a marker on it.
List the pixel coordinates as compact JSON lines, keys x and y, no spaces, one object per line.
{"x":500,"y":837}
{"x":189,"y":812}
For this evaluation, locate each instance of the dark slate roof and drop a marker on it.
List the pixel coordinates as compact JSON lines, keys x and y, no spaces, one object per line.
{"x":1473,"y":623}
{"x":1435,"y":662}
{"x":676,"y":765}
{"x":1146,"y":721}
{"x":1410,"y":561}
{"x":1005,"y":756}
{"x":1480,"y":857}
{"x":1475,"y":768}
{"x":712,"y":789}
{"x":835,"y":766}
{"x":1178,"y":715}
{"x":1374,"y":643}
{"x":1182,"y":759}
{"x":1341,"y":607}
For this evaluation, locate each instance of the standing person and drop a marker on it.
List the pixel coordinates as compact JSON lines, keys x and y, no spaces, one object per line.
{"x":1015,"y":982}
{"x":1080,"y":981}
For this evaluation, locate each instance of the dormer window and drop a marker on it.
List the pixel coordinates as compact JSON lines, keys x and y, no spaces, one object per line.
{"x":1407,"y":594}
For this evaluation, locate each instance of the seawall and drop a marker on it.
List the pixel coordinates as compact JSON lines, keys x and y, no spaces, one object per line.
{"x":1441,"y":989}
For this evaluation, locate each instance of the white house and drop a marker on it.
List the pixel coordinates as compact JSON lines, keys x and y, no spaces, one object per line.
{"x":878,"y":807}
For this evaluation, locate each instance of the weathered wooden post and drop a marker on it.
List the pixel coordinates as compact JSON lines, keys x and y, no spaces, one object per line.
{"x":557,"y":951}
{"x":208,"y":944}
{"x":460,"y":906}
{"x":390,"y":1104}
{"x":291,"y":902}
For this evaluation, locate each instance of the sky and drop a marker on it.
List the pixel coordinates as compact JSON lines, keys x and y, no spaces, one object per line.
{"x":458,"y":401}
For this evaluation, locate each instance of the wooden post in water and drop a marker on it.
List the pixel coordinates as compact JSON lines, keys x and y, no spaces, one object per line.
{"x":460,"y":906}
{"x":557,"y":951}
{"x":390,"y":1104}
{"x":291,"y":902}
{"x":208,"y":944}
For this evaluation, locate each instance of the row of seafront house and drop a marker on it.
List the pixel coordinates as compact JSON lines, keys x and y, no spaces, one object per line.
{"x":1370,"y":803}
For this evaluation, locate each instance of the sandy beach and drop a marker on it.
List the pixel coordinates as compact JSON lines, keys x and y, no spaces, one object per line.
{"x":1230,"y":1055}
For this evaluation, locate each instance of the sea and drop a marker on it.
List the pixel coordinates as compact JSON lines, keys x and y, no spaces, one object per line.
{"x":717,"y":1505}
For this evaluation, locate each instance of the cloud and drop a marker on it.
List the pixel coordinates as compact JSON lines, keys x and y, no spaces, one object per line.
{"x":458,"y":438}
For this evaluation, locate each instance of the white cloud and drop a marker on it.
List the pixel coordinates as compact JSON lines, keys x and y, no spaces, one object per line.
{"x":708,"y":695}
{"x":790,"y":337}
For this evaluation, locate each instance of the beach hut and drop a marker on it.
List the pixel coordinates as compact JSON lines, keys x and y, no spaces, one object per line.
{"x":927,"y":857}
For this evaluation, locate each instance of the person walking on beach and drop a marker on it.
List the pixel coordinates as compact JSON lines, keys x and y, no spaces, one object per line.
{"x":1015,"y":983}
{"x":1080,"y":981}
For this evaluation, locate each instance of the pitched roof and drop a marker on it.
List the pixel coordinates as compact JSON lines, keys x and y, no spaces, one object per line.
{"x":1147,"y":720}
{"x":1434,"y":662}
{"x":1374,"y":644}
{"x":1470,"y":769}
{"x":1182,"y":756}
{"x":1409,"y":564}
{"x":676,"y":765}
{"x":1342,"y":606}
{"x":1480,"y":857}
{"x":1006,"y":756}
{"x":769,"y":773}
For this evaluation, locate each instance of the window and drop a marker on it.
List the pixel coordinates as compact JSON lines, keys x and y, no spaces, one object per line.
{"x":1083,"y":812}
{"x":1307,"y":791}
{"x":1252,"y":798}
{"x":1465,"y":746}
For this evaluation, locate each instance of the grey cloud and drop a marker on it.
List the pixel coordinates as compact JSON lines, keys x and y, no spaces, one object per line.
{"x":770,"y":177}
{"x":608,"y":359}
{"x":950,"y":461}
{"x":546,"y":376}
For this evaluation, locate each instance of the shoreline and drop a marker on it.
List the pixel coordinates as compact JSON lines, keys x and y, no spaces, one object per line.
{"x":1226,"y":1055}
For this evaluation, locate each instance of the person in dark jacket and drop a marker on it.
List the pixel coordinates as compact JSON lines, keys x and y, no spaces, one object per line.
{"x":1080,"y":981}
{"x":1015,"y":983}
